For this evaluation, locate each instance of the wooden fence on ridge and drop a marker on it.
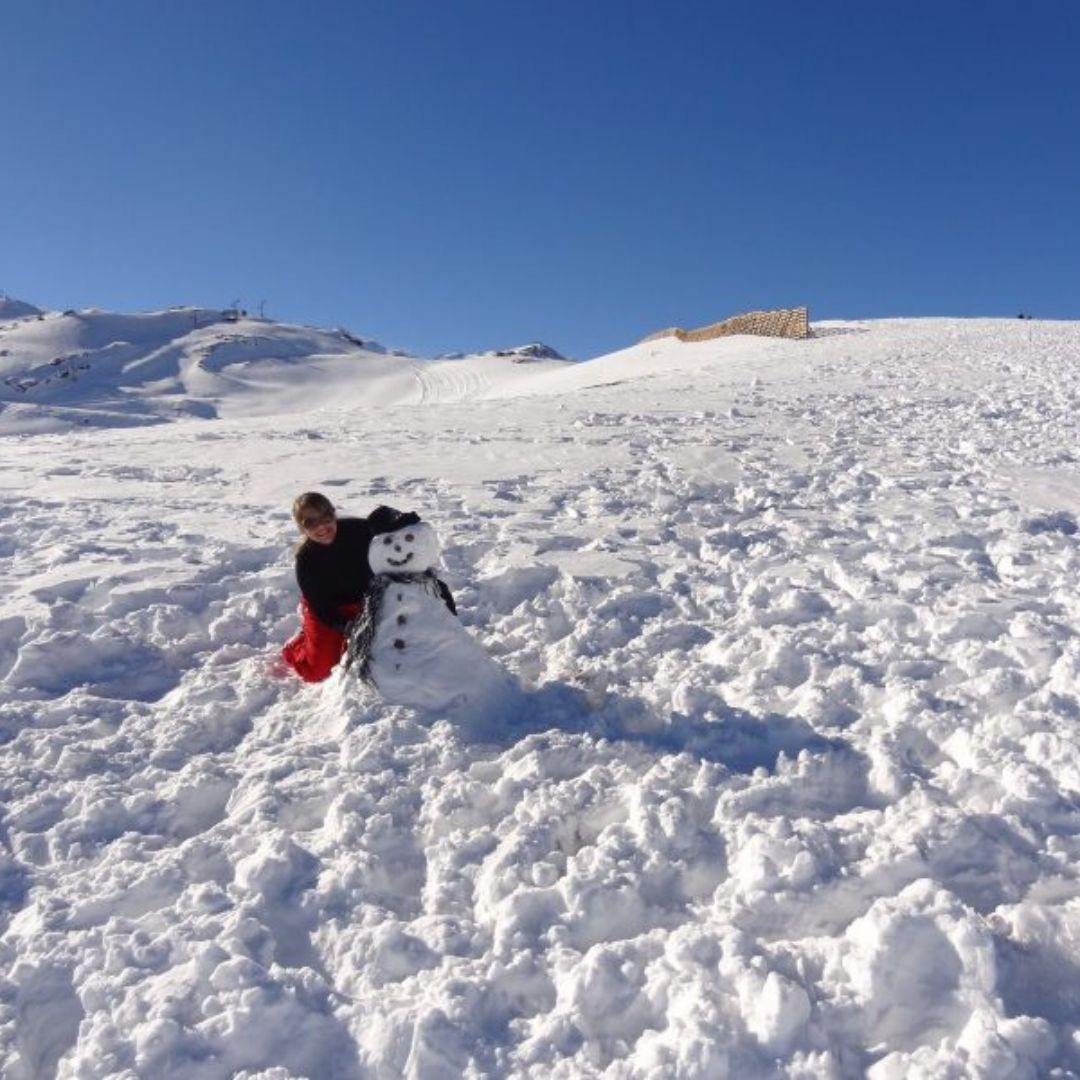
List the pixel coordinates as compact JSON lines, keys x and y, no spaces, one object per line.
{"x":785,"y":323}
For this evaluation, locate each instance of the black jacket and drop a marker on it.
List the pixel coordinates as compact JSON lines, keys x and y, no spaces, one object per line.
{"x":330,"y":575}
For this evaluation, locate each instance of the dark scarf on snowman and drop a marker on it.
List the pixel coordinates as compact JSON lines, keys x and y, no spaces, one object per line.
{"x":361,"y":631}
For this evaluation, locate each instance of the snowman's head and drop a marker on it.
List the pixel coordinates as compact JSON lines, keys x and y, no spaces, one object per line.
{"x":411,"y":549}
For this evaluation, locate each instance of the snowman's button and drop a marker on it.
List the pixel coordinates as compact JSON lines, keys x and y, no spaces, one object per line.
{"x":401,"y":620}
{"x":398,"y":643}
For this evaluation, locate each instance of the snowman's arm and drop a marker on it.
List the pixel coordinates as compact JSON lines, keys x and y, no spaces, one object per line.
{"x":447,"y":596}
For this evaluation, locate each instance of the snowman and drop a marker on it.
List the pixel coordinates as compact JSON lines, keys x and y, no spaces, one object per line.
{"x":408,"y":641}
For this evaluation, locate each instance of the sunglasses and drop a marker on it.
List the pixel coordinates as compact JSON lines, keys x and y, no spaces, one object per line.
{"x":315,"y":522}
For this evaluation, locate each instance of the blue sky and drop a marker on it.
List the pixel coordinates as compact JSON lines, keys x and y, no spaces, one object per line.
{"x":469,"y":174}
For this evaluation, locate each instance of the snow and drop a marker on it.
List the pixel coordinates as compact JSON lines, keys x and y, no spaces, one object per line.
{"x":11,"y":309}
{"x":792,"y":787}
{"x":100,"y":369}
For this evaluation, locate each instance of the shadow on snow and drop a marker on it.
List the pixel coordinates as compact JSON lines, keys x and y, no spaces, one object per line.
{"x":737,"y":739}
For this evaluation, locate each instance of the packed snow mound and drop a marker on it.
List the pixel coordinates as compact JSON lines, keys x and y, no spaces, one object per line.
{"x":104,"y":370}
{"x":791,"y":788}
{"x":10,"y":308}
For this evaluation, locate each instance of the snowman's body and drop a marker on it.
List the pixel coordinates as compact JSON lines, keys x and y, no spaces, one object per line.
{"x":409,"y":642}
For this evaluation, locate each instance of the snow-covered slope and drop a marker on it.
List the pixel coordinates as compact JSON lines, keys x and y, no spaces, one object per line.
{"x":793,"y":787}
{"x":10,"y":309}
{"x":106,"y":370}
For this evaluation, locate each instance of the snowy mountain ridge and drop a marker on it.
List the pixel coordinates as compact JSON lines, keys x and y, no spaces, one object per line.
{"x":10,"y":308}
{"x":101,"y":369}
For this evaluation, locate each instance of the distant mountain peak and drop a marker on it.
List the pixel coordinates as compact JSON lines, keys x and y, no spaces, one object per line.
{"x":536,"y":350}
{"x":10,"y":308}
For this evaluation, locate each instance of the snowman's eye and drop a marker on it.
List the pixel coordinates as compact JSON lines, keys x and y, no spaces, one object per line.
{"x":409,"y":537}
{"x":388,"y":541}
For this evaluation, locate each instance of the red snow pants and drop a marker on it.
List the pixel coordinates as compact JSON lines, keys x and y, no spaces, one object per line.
{"x":314,"y":652}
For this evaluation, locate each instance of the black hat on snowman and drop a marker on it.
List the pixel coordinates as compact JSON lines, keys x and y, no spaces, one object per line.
{"x":385,"y":519}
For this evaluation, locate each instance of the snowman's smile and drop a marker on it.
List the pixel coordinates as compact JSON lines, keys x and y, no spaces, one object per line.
{"x":400,"y":562}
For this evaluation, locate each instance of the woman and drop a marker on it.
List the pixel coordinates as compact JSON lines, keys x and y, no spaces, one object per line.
{"x":333,"y":574}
